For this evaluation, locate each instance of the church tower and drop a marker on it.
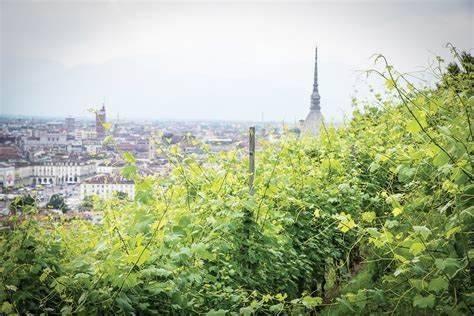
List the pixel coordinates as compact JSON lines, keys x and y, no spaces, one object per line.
{"x":100,"y":120}
{"x":312,"y":123}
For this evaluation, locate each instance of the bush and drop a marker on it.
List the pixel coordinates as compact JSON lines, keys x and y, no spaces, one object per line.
{"x":389,"y":195}
{"x":56,"y":201}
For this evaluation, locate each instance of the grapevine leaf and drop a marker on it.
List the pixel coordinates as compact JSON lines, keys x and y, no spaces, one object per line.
{"x":424,"y":301}
{"x":438,"y":284}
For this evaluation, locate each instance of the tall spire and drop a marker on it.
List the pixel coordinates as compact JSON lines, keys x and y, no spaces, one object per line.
{"x":314,"y":119}
{"x":315,"y":98}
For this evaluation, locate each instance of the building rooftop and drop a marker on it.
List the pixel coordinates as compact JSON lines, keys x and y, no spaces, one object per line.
{"x":5,"y":165}
{"x":107,"y":179}
{"x":9,"y":152}
{"x":113,"y":163}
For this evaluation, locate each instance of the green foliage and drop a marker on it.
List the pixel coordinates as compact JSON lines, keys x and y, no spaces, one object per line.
{"x":87,"y":204}
{"x":56,"y":201}
{"x":390,"y":194}
{"x":23,"y":203}
{"x":121,"y":195}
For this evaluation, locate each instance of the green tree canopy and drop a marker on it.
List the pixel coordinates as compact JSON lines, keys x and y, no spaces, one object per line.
{"x":56,"y":201}
{"x":23,"y":203}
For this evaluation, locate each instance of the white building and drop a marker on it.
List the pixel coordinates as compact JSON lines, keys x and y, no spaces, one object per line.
{"x":62,"y":172}
{"x":46,"y":139}
{"x":23,"y":174}
{"x":106,"y":185}
{"x":110,"y":167}
{"x":16,"y":175}
{"x":92,"y":146}
{"x":86,"y":134}
{"x":7,"y":175}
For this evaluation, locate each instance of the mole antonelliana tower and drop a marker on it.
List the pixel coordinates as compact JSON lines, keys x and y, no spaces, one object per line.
{"x":313,"y":121}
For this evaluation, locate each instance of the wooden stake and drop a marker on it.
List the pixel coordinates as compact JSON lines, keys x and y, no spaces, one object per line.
{"x":251,"y":158}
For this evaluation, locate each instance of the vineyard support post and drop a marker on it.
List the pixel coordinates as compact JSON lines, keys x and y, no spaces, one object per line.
{"x":251,"y":158}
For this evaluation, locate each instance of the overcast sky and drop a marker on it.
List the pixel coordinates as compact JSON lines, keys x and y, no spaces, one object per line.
{"x":221,"y":60}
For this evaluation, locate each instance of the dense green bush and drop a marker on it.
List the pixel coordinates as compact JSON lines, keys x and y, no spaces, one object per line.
{"x":389,"y":195}
{"x":57,"y":202}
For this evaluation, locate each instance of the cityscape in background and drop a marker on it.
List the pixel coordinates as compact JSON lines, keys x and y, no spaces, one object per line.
{"x":78,"y":157}
{"x":74,"y":159}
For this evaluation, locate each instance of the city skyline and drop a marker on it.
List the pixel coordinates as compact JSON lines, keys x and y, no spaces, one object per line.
{"x":224,"y":61}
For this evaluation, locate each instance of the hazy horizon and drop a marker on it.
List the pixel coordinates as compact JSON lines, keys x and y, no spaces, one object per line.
{"x":211,"y":61}
{"x":91,"y":118}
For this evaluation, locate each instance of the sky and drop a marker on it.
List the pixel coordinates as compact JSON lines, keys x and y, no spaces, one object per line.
{"x":212,"y":60}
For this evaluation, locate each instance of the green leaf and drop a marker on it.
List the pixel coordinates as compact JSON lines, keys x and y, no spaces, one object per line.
{"x":246,"y":311}
{"x":129,"y":171}
{"x":82,"y":298}
{"x":391,"y":224}
{"x":128,"y":157}
{"x":397,"y":211}
{"x":449,"y":265}
{"x":108,"y":140}
{"x":470,"y":254}
{"x":66,"y":310}
{"x":45,"y":274}
{"x":7,"y":308}
{"x":152,"y":271}
{"x":413,"y":126}
{"x":346,"y":222}
{"x":440,"y":159}
{"x":184,"y":221}
{"x":390,"y":84}
{"x":399,"y":271}
{"x":374,"y":167}
{"x":368,"y":217}
{"x":424,"y":301}
{"x":185,"y":251}
{"x":417,"y":248}
{"x":331,"y":165}
{"x":419,"y":284}
{"x":200,"y":250}
{"x":144,"y":257}
{"x":162,"y":272}
{"x":139,"y":255}
{"x":423,"y":231}
{"x":345,"y":303}
{"x":12,"y":288}
{"x":276,"y":308}
{"x":107,"y":126}
{"x":220,"y":312}
{"x":123,"y":302}
{"x":438,"y":285}
{"x":405,"y":174}
{"x":311,"y":302}
{"x":453,"y":231}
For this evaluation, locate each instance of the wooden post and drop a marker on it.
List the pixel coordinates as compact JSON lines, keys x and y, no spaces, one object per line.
{"x":251,"y":158}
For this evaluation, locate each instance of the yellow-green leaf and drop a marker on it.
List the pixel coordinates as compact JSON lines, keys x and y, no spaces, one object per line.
{"x":368,"y":217}
{"x":417,"y":248}
{"x":397,"y":211}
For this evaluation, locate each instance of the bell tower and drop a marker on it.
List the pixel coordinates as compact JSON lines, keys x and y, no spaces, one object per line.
{"x":100,"y":120}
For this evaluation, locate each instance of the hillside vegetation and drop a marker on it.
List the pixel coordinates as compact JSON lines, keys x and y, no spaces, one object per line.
{"x":372,"y":218}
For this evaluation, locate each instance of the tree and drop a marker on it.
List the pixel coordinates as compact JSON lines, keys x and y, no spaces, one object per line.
{"x":57,"y":202}
{"x":121,"y":195}
{"x":24,"y":203}
{"x":458,"y":73}
{"x":464,"y":64}
{"x":87,"y":204}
